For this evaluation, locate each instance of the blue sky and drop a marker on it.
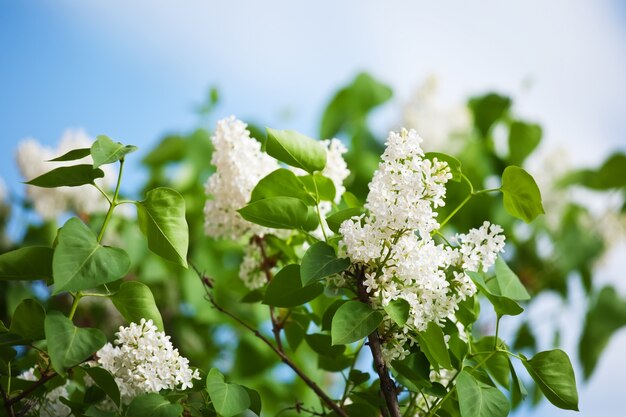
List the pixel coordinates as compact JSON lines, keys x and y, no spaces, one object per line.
{"x":136,"y":70}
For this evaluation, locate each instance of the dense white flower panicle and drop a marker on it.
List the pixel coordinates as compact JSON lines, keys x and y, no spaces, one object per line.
{"x":250,"y":271}
{"x":393,"y":241}
{"x":336,"y":167}
{"x":50,"y":405}
{"x":143,"y":360}
{"x":480,"y":247}
{"x":240,"y":164}
{"x":32,"y":159}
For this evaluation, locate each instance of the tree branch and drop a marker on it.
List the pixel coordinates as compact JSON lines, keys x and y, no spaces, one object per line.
{"x":7,"y":403}
{"x":387,"y":386}
{"x":45,"y":377}
{"x":283,"y":357}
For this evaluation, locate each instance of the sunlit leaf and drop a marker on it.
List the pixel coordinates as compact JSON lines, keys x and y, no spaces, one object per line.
{"x":295,"y":149}
{"x":105,"y":151}
{"x":353,"y":321}
{"x":72,"y":176}
{"x":522,"y":198}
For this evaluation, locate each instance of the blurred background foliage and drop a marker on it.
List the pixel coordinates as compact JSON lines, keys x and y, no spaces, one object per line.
{"x":548,"y":255}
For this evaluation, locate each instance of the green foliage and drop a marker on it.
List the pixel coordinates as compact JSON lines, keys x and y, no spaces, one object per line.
{"x":161,"y":217}
{"x":105,"y":151}
{"x":523,"y":140}
{"x":605,"y":316}
{"x":28,"y":320}
{"x":553,"y":373}
{"x":522,"y":198}
{"x":228,"y":399}
{"x":153,"y":405}
{"x":295,"y":149}
{"x":27,"y":263}
{"x":73,"y":155}
{"x":135,"y":301}
{"x":103,"y":379}
{"x":353,"y":321}
{"x":433,"y":344}
{"x":286,"y":289}
{"x":73,"y":176}
{"x":281,"y":183}
{"x":453,"y":163}
{"x":398,"y":311}
{"x":334,"y":220}
{"x":477,"y":399}
{"x":276,"y":212}
{"x":320,"y":261}
{"x":69,"y":345}
{"x":80,"y":262}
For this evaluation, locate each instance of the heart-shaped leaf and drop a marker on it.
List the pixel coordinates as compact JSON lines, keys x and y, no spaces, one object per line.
{"x":522,"y":198}
{"x":228,"y":399}
{"x":477,"y":399}
{"x":320,"y":261}
{"x":503,"y":306}
{"x":69,"y":345}
{"x":398,"y":310}
{"x":353,"y":321}
{"x":28,"y":263}
{"x":295,"y":149}
{"x":28,"y":320}
{"x":105,"y":151}
{"x":135,"y":301}
{"x":319,"y":185}
{"x":153,"y":405}
{"x":80,"y":262}
{"x":73,"y":176}
{"x":162,"y":220}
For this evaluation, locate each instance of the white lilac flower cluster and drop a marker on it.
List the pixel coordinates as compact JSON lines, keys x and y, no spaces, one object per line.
{"x":32,"y":159}
{"x":394,"y":241}
{"x":50,"y":405}
{"x":239,"y":165}
{"x":144,"y":361}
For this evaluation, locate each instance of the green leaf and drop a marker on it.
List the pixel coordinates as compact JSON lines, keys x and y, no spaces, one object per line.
{"x":502,"y":305}
{"x":606,"y":314}
{"x":352,"y":103}
{"x":433,"y":344}
{"x":105,"y":151}
{"x":105,"y":381}
{"x":334,"y":220}
{"x":612,"y":174}
{"x":521,"y":195}
{"x":286,"y":290}
{"x":317,"y":184}
{"x":28,"y":263}
{"x":80,"y":262}
{"x":321,"y":344}
{"x":72,"y":155}
{"x":28,"y":320}
{"x":69,"y":345}
{"x":507,"y":284}
{"x":135,"y":301}
{"x":281,"y":183}
{"x":153,"y":405}
{"x":320,"y":261}
{"x":487,"y":110}
{"x":453,"y":163}
{"x":353,"y":321}
{"x":227,"y":398}
{"x":523,"y":139}
{"x":296,"y":149}
{"x":477,"y":399}
{"x":552,"y":372}
{"x":415,"y":368}
{"x":497,"y":363}
{"x":73,"y":176}
{"x":161,"y":218}
{"x":329,"y":313}
{"x":398,"y":310}
{"x":518,"y":390}
{"x":276,"y":212}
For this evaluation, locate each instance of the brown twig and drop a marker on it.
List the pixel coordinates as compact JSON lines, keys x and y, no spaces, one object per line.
{"x":7,"y":403}
{"x":283,"y":357}
{"x":387,"y":386}
{"x":44,"y":378}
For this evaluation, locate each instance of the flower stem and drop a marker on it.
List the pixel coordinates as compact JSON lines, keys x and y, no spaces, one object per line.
{"x":112,"y":203}
{"x":75,"y":302}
